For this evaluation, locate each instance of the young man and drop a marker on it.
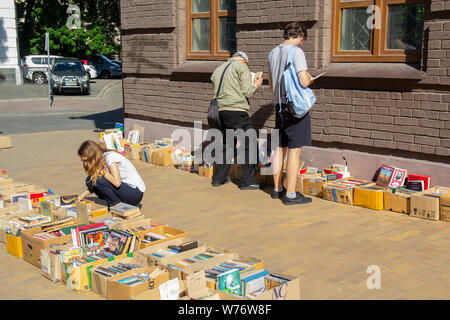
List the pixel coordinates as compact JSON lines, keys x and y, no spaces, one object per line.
{"x":295,"y":133}
{"x":237,"y":87}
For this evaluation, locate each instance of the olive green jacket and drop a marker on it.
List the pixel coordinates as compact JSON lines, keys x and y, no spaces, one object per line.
{"x":236,"y":87}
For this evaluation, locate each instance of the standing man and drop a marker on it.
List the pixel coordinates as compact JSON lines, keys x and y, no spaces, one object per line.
{"x":237,"y":87}
{"x":294,"y":133}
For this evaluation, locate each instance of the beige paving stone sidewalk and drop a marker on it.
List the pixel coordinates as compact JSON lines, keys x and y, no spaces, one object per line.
{"x":328,"y":245}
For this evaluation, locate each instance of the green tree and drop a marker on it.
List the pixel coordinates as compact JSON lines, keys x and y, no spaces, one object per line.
{"x":100,"y":22}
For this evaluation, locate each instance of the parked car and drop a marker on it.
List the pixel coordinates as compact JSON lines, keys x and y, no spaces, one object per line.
{"x":118,"y":62}
{"x":105,"y":68}
{"x":68,"y":75}
{"x":90,"y":69}
{"x":35,"y":68}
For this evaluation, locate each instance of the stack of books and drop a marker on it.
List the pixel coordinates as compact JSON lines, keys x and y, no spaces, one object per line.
{"x":116,"y":269}
{"x":125,"y":211}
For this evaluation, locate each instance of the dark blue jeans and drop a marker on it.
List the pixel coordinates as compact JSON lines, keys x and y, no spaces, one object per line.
{"x":105,"y":190}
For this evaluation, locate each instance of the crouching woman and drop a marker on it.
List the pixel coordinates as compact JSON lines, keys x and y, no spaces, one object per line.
{"x":111,"y":176}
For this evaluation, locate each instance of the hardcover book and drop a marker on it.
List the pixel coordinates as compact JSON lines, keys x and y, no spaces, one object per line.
{"x":230,"y":282}
{"x":124,"y":210}
{"x":417,"y":177}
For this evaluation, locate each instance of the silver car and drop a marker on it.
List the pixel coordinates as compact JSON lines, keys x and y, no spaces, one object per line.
{"x":35,"y":68}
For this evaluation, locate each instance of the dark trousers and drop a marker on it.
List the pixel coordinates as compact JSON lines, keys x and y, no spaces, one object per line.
{"x":124,"y":193}
{"x":236,"y":120}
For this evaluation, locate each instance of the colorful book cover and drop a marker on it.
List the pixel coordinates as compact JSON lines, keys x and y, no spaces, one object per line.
{"x":230,"y":282}
{"x":384,"y":177}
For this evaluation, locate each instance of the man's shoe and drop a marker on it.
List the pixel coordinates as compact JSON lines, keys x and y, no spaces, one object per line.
{"x":217,"y":184}
{"x":251,"y":187}
{"x":277,"y":195}
{"x":299,"y":199}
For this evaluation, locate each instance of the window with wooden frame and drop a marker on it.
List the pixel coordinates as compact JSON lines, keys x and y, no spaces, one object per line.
{"x":211,"y":25}
{"x":377,"y":30}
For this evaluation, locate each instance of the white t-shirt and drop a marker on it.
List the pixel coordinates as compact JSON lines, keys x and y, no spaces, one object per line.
{"x":128,"y":172}
{"x":277,"y":62}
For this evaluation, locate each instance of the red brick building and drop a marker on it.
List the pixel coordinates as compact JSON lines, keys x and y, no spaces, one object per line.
{"x":385,"y":97}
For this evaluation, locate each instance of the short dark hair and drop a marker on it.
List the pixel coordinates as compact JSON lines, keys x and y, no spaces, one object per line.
{"x":295,"y":29}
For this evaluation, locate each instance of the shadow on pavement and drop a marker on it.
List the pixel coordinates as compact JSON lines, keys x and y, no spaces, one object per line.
{"x":104,"y":120}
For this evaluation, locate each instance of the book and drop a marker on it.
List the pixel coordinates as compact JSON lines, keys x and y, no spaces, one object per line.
{"x":124,"y":209}
{"x":256,"y":75}
{"x":384,"y":176}
{"x":416,"y":185}
{"x":254,"y":281}
{"x":426,"y":179}
{"x":230,"y":282}
{"x":25,"y":205}
{"x":391,"y":177}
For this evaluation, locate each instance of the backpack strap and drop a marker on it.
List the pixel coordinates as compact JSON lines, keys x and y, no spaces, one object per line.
{"x":221,"y":79}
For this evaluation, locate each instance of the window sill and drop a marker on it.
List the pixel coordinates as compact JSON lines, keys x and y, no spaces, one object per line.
{"x":195,"y":70}
{"x":371,"y":71}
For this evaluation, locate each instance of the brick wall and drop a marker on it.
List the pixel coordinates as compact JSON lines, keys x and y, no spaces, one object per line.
{"x":414,"y":119}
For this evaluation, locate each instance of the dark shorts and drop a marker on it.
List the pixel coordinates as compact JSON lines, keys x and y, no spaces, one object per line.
{"x":297,"y":132}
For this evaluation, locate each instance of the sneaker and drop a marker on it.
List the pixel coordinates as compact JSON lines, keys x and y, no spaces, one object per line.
{"x":251,"y":187}
{"x":217,"y":184}
{"x":299,"y":199}
{"x":277,"y":195}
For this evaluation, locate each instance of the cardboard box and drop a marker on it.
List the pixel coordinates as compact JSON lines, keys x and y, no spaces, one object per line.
{"x":300,"y":179}
{"x":99,"y":283}
{"x":146,"y":154}
{"x":32,"y":246}
{"x":79,"y":278}
{"x":99,"y":219}
{"x":89,"y":210}
{"x":314,"y":186}
{"x":445,"y":208}
{"x":344,"y":196}
{"x":132,"y":151}
{"x":236,"y":173}
{"x":132,"y":223}
{"x":162,"y":157}
{"x":164,"y":261}
{"x":369,"y":196}
{"x":155,"y":294}
{"x":426,"y":206}
{"x":14,"y":245}
{"x":119,"y":291}
{"x":51,"y":265}
{"x":163,"y":230}
{"x":290,"y":290}
{"x":5,"y":142}
{"x":396,"y":203}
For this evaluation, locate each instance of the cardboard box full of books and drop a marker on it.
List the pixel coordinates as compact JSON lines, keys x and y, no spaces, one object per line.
{"x":132,"y":151}
{"x":314,"y":186}
{"x":139,"y":225}
{"x":33,"y":245}
{"x":275,"y":287}
{"x":51,"y":265}
{"x":426,"y":204}
{"x":445,"y":208}
{"x":101,"y":273}
{"x":126,"y":285}
{"x":299,"y":182}
{"x":369,"y":196}
{"x":14,"y":244}
{"x":205,"y":171}
{"x":398,"y":200}
{"x":162,"y":157}
{"x":158,"y":235}
{"x":171,"y":251}
{"x":342,"y":191}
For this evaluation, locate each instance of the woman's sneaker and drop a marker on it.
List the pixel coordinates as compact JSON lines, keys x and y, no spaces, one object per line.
{"x":299,"y":199}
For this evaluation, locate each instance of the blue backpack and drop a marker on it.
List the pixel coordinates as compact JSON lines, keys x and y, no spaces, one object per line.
{"x":299,"y":100}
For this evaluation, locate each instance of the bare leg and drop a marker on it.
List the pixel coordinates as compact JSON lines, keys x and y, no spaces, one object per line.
{"x":293,"y":165}
{"x":278,"y":158}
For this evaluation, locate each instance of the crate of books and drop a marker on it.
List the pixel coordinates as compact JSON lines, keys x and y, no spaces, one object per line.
{"x":398,"y":200}
{"x":172,"y":250}
{"x":89,"y":210}
{"x":158,"y":235}
{"x":51,"y":265}
{"x":369,"y":196}
{"x":342,"y":191}
{"x":426,"y":204}
{"x":314,"y":186}
{"x":140,"y":225}
{"x":133,"y":282}
{"x":444,"y":213}
{"x":300,"y":179}
{"x":14,"y":243}
{"x":258,"y":285}
{"x":44,"y":236}
{"x":101,"y":273}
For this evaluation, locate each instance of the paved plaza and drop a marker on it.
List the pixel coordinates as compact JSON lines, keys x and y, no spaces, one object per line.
{"x":328,"y":245}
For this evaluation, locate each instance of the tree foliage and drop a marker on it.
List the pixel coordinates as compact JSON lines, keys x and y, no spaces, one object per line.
{"x":100,"y":22}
